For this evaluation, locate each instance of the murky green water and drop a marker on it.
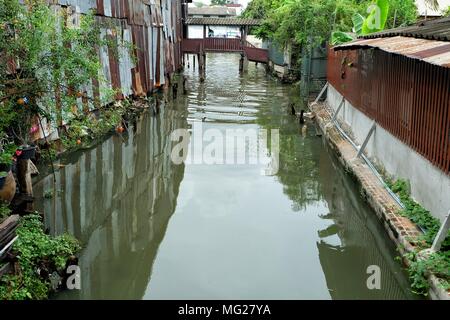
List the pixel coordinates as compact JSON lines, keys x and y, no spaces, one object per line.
{"x":155,"y":230}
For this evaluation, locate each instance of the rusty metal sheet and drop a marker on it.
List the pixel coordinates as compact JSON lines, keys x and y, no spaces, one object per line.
{"x":431,"y":51}
{"x":409,"y":98}
{"x":153,"y":26}
{"x":126,"y":65}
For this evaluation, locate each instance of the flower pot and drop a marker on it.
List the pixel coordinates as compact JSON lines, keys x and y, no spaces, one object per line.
{"x":26,"y":153}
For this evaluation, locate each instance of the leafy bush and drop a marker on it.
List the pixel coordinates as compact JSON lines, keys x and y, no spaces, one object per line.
{"x":417,"y":214}
{"x":5,"y":211}
{"x":36,"y":250}
{"x":437,"y":263}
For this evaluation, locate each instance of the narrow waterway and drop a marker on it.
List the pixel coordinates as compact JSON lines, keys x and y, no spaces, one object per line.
{"x":152,"y":229}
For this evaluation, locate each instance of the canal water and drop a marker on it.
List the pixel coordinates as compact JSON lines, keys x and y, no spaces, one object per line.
{"x":294,"y":228}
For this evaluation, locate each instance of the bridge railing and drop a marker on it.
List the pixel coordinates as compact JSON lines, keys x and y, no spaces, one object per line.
{"x":225,"y":45}
{"x":256,"y":54}
{"x":222,"y":44}
{"x":191,"y":45}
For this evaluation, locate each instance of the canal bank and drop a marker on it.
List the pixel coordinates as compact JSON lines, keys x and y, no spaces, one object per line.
{"x":404,"y":233}
{"x":155,"y":230}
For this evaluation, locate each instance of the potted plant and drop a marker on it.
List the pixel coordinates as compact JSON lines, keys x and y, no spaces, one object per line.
{"x":7,"y":152}
{"x":26,"y":152}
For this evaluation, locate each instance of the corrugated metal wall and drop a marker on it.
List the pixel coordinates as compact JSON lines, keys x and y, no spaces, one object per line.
{"x":409,"y":98}
{"x":153,"y":27}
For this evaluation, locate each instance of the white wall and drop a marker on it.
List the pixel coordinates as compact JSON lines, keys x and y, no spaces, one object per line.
{"x":196,"y":32}
{"x":429,"y":185}
{"x":424,"y":9}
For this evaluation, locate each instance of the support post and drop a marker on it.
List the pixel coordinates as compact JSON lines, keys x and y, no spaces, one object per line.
{"x":25,"y":184}
{"x":241,"y":63}
{"x":201,"y":65}
{"x":321,"y":92}
{"x":442,"y":234}
{"x":338,"y":109}
{"x":193,"y":64}
{"x":364,"y":145}
{"x":185,"y":85}
{"x":174,"y":90}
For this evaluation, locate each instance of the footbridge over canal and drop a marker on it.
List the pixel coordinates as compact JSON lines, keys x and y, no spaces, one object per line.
{"x":200,"y":46}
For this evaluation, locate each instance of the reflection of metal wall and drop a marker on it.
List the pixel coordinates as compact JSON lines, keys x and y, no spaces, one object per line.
{"x":408,"y":98}
{"x":117,"y":199}
{"x":153,"y":27}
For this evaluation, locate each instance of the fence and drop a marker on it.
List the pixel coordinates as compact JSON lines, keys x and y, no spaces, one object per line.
{"x":153,"y":28}
{"x":409,"y":98}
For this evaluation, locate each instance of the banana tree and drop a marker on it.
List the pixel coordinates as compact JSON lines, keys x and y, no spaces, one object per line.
{"x":374,"y":22}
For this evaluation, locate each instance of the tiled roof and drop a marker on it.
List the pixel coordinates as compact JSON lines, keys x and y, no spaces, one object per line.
{"x":223,"y":21}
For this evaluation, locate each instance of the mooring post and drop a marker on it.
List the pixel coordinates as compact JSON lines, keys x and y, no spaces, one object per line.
{"x":201,"y":65}
{"x":442,"y":234}
{"x":241,"y":63}
{"x":185,"y":85}
{"x":24,"y":179}
{"x":174,"y":90}
{"x":366,"y":141}
{"x":193,"y":63}
{"x":338,"y":109}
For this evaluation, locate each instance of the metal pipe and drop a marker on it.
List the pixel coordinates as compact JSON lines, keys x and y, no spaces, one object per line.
{"x":369,"y":163}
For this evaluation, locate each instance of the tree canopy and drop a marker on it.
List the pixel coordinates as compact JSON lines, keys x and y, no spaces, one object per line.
{"x":310,"y":22}
{"x":219,"y":2}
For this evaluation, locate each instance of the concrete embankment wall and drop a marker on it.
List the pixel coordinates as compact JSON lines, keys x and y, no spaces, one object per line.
{"x":429,"y":185}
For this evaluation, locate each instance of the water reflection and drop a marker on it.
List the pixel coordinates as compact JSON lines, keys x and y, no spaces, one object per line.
{"x":117,"y":198}
{"x":155,"y":230}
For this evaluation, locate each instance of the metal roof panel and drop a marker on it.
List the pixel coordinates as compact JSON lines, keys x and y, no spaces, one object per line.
{"x":431,"y":51}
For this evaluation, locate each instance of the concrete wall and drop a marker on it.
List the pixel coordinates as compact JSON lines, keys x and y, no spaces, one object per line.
{"x":429,"y":185}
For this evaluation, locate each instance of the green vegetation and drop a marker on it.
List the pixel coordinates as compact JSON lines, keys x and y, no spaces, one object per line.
{"x":308,"y":23}
{"x":437,"y":263}
{"x":219,"y":2}
{"x":5,"y":211}
{"x":447,"y":12}
{"x":417,"y":214}
{"x":36,"y":249}
{"x":49,"y":59}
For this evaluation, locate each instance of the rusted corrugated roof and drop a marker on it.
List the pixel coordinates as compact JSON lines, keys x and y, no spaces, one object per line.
{"x":223,"y":21}
{"x":431,"y":51}
{"x":438,"y":29}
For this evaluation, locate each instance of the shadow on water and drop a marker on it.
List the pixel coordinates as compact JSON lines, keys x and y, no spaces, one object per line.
{"x":155,"y":230}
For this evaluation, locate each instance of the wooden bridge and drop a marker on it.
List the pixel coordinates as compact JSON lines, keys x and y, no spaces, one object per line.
{"x":197,"y":46}
{"x":215,"y":44}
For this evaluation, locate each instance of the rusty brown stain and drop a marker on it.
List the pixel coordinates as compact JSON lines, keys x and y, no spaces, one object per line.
{"x":409,"y":98}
